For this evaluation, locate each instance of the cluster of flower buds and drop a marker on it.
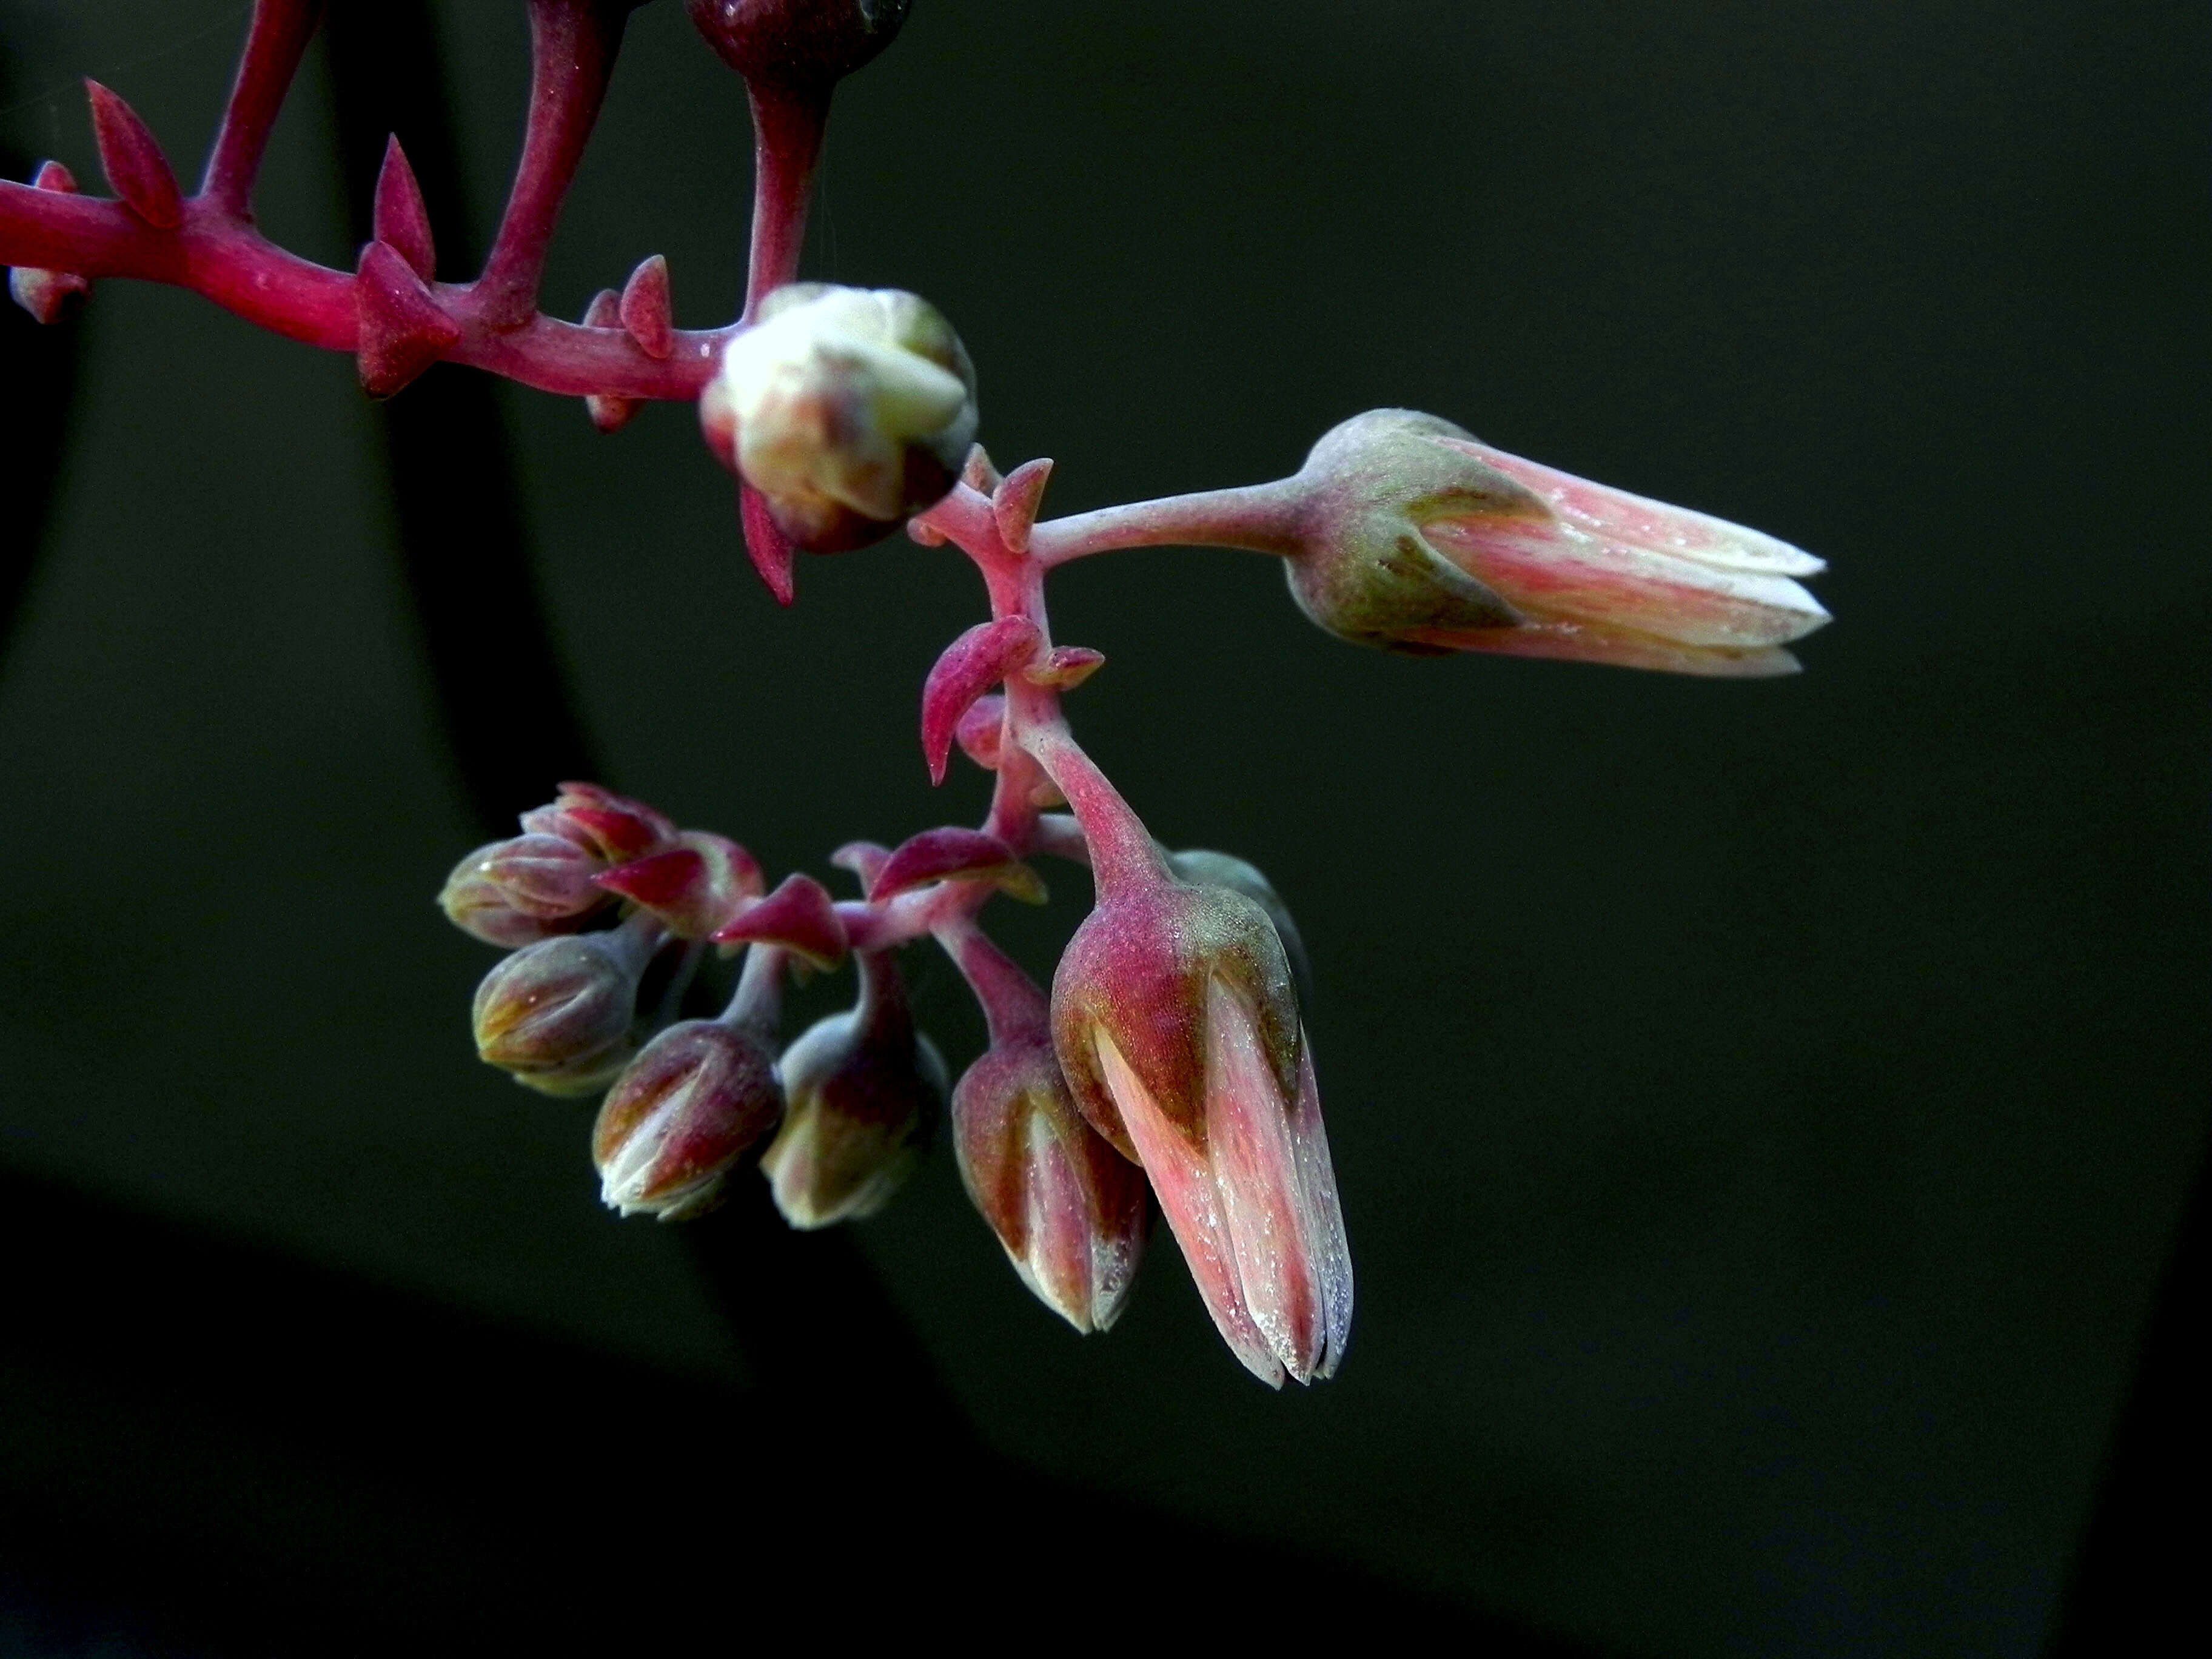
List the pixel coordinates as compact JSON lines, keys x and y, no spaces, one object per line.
{"x":1170,"y":1060}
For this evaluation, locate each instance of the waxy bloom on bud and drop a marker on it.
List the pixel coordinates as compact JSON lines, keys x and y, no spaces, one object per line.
{"x":1413,"y":536}
{"x":1069,"y":1209}
{"x":847,"y":408}
{"x":681,"y":1114}
{"x":526,"y":889}
{"x":1177,"y":1030}
{"x":860,"y":1090}
{"x":1204,"y":868}
{"x":556,"y":1015}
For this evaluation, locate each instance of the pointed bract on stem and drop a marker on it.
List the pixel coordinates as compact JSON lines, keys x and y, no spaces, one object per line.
{"x":132,"y":157}
{"x":401,"y":219}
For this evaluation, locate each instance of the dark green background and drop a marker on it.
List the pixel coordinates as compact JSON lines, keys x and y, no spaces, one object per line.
{"x":1762,"y":1110}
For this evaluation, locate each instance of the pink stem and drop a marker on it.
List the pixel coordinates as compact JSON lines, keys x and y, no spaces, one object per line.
{"x":757,"y":1003}
{"x":572,"y":45}
{"x":881,"y":1015}
{"x":1263,"y":518}
{"x":1123,"y":854}
{"x":218,"y":257}
{"x":275,"y":43}
{"x":1013,"y":1006}
{"x":788,"y":122}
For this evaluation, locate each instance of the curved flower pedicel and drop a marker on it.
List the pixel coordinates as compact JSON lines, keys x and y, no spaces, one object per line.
{"x":1171,"y":1060}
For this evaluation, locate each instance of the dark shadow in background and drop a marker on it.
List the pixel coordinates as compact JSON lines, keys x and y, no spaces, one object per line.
{"x":240,"y":1454}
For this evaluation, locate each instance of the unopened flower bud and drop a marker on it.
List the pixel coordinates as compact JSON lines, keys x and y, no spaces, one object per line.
{"x":1202,"y":868}
{"x":557,"y":1014}
{"x":680,"y":1115}
{"x":860,"y":1090}
{"x":1069,"y":1209}
{"x":1177,"y":1030}
{"x":847,"y":408}
{"x":1413,"y":536}
{"x":801,"y":42}
{"x":522,"y":890}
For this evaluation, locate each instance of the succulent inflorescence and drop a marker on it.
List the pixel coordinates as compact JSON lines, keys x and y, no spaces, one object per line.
{"x":1169,"y":1060}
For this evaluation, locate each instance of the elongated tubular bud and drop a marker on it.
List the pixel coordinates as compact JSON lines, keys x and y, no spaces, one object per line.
{"x":1413,"y":536}
{"x":982,"y":657}
{"x":1177,"y":1026}
{"x":402,"y":219}
{"x":1015,"y":501}
{"x":136,"y":170}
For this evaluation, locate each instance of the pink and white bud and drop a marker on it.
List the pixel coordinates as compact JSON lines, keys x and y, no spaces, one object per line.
{"x":1413,"y":536}
{"x":522,"y":890}
{"x":846,"y":409}
{"x":1177,"y":1030}
{"x":680,"y":1116}
{"x":556,"y":1015}
{"x":1069,"y":1209}
{"x":860,"y":1088}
